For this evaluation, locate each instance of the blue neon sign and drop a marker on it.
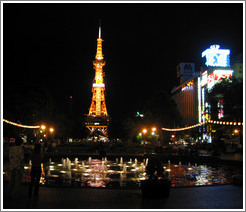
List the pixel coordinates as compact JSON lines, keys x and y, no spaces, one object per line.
{"x":216,"y":57}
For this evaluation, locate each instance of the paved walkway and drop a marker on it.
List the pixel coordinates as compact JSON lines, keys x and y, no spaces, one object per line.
{"x":208,"y":197}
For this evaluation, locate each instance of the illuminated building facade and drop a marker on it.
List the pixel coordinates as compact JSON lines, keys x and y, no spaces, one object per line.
{"x":97,"y":120}
{"x":191,"y":95}
{"x":185,"y":95}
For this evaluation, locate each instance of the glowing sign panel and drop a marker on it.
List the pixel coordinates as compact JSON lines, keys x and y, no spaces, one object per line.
{"x":220,"y":75}
{"x":217,"y":57}
{"x":210,"y":81}
{"x":217,"y":76}
{"x":204,"y":78}
{"x":99,"y":85}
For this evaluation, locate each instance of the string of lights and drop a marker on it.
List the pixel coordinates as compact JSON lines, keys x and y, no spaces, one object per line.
{"x":225,"y":122}
{"x":20,"y":125}
{"x":184,"y":128}
{"x":199,"y":124}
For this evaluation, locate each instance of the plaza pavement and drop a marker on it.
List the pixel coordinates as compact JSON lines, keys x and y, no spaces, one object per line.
{"x":206,"y":197}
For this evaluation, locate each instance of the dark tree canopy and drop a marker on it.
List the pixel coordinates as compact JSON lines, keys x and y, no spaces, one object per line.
{"x":232,"y":95}
{"x":160,"y":111}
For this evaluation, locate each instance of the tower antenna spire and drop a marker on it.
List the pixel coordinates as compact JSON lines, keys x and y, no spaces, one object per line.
{"x":99,"y":36}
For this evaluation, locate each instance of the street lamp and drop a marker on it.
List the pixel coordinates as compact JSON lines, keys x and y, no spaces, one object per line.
{"x":144,"y":131}
{"x":52,"y":133}
{"x":43,"y":127}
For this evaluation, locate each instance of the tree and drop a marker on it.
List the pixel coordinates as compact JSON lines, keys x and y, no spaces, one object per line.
{"x":159,"y":111}
{"x":232,"y":95}
{"x":162,"y":110}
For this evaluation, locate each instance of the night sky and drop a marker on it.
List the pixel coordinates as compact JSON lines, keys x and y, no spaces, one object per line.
{"x":53,"y":45}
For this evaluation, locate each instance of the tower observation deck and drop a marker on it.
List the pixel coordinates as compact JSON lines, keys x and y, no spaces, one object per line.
{"x":97,"y":120}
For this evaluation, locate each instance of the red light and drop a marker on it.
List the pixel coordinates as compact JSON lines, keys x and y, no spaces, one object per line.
{"x":12,"y":140}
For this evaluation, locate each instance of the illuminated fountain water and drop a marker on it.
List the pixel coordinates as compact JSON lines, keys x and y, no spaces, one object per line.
{"x":83,"y":169}
{"x":124,"y":168}
{"x":107,"y":173}
{"x":142,"y":167}
{"x":121,"y":161}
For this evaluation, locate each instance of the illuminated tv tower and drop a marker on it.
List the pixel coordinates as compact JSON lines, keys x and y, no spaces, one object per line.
{"x":97,"y":120}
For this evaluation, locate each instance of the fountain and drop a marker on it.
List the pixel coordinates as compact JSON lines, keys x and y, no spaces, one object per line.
{"x":103,"y":167}
{"x":142,"y":167}
{"x":69,"y":164}
{"x":124,"y":168}
{"x":83,"y":166}
{"x":195,"y":165}
{"x":121,"y":161}
{"x":147,"y":160}
{"x":30,"y":162}
{"x":50,"y":161}
{"x":76,"y":162}
{"x":124,"y":174}
{"x":64,"y":163}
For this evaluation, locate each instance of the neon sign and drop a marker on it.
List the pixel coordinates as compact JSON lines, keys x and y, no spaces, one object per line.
{"x":188,"y":85}
{"x":210,"y":81}
{"x":217,"y":57}
{"x":220,"y":75}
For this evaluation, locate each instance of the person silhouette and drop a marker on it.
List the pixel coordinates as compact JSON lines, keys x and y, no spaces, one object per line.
{"x":154,"y":168}
{"x":16,"y":160}
{"x":36,"y":170}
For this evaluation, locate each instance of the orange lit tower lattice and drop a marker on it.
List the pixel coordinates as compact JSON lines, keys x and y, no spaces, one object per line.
{"x":98,"y":120}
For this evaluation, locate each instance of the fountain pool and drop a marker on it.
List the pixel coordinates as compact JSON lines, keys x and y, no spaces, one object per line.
{"x":121,"y":173}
